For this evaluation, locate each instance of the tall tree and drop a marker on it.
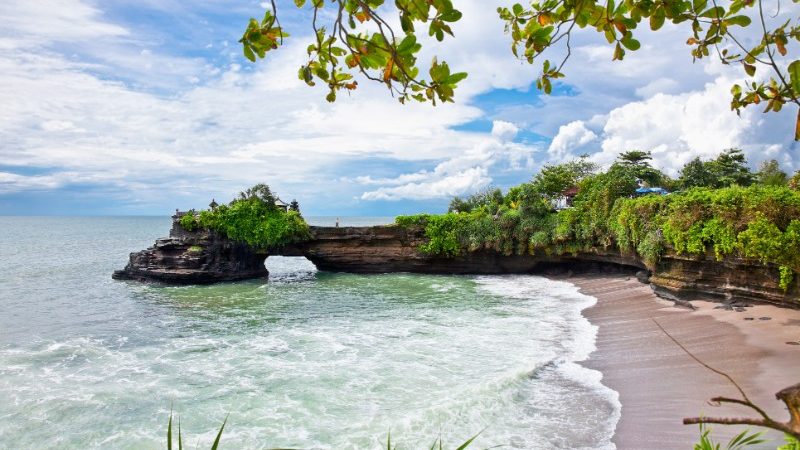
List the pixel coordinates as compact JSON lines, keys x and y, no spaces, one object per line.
{"x":730,"y":168}
{"x":696,"y":173}
{"x":354,"y":37}
{"x":260,"y":192}
{"x":770,"y":174}
{"x":552,"y":180}
{"x":638,"y":162}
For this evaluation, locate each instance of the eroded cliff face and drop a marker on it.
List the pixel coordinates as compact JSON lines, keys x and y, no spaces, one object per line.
{"x":676,"y":277}
{"x":199,"y":257}
{"x":732,"y":279}
{"x":203,"y":257}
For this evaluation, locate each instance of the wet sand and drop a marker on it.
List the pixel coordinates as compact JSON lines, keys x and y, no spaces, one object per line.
{"x":659,"y":384}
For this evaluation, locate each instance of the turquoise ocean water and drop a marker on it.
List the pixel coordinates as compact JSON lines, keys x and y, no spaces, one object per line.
{"x":305,"y":359}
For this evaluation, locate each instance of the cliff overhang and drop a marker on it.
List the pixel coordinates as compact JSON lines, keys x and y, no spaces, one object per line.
{"x":202,"y":257}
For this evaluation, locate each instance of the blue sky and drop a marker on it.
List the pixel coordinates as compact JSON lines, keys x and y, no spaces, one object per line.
{"x":139,"y":107}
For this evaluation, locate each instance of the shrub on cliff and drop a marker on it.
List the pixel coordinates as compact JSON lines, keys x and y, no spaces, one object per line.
{"x":759,"y":222}
{"x":252,"y":218}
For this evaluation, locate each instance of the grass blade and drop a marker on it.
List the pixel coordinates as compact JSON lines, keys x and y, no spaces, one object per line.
{"x":180,"y":438}
{"x":466,"y":444}
{"x":169,"y":432}
{"x":219,"y":435}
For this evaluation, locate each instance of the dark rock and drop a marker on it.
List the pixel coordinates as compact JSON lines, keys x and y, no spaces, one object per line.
{"x":643,"y":276}
{"x":749,"y":318}
{"x":793,"y":343}
{"x":200,"y":257}
{"x":737,"y":309}
{"x":765,"y":318}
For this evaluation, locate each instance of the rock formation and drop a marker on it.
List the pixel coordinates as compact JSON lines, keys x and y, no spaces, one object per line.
{"x":205,"y":257}
{"x":198,"y":257}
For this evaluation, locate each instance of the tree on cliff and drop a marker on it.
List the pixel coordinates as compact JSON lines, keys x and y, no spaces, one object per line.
{"x":261,"y":192}
{"x":729,"y":168}
{"x":353,"y":37}
{"x":638,"y":162}
{"x":770,"y":174}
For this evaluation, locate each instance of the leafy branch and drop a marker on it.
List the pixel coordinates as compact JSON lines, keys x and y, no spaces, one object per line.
{"x":543,"y":24}
{"x":359,"y":40}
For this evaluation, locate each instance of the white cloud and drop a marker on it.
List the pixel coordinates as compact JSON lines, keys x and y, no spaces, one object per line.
{"x":94,"y":101}
{"x":44,"y":21}
{"x":679,"y":128}
{"x":453,"y":184}
{"x":504,"y":131}
{"x":570,"y":136}
{"x":450,"y":177}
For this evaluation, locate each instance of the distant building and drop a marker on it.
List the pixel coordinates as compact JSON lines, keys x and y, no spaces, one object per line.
{"x":566,"y":198}
{"x":281,"y":205}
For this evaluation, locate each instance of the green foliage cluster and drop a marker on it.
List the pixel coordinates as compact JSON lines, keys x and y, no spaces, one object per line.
{"x":728,"y":169}
{"x":739,"y":442}
{"x":438,"y":443}
{"x":252,"y":218}
{"x":759,"y":222}
{"x":360,"y":41}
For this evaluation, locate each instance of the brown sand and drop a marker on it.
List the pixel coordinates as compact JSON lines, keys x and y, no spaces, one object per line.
{"x":659,"y":384}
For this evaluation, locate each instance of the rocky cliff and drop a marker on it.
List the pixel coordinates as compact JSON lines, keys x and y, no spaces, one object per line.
{"x":199,"y":257}
{"x":203,"y":257}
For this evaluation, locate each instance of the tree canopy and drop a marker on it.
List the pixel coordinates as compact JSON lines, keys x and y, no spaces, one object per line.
{"x":354,"y":37}
{"x":728,"y":169}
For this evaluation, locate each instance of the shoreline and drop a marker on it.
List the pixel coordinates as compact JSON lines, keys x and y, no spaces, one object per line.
{"x":659,"y":384}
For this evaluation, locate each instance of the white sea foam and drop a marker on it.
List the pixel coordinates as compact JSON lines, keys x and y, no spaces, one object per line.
{"x":319,"y":361}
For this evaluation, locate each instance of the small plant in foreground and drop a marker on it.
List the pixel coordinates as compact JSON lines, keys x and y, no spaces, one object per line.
{"x":214,"y":446}
{"x":738,"y":442}
{"x":438,"y":444}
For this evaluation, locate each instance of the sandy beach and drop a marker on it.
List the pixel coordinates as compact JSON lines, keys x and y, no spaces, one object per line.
{"x":659,"y":384}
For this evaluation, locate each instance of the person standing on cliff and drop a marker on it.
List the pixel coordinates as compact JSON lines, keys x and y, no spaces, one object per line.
{"x":337,"y":222}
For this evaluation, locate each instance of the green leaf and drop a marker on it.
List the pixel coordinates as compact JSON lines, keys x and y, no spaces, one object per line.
{"x":517,"y":8}
{"x":742,"y":21}
{"x":619,"y":53}
{"x":713,"y":13}
{"x":699,"y":5}
{"x":455,"y":78}
{"x":657,"y":19}
{"x":794,"y":76}
{"x":248,"y":53}
{"x":750,"y":69}
{"x":631,"y":43}
{"x":407,"y":44}
{"x":451,"y":16}
{"x":299,"y":3}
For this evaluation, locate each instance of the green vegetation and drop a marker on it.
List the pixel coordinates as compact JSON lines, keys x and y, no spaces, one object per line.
{"x":359,"y":38}
{"x":740,"y":441}
{"x":438,"y":444}
{"x":713,"y":216}
{"x":252,"y":218}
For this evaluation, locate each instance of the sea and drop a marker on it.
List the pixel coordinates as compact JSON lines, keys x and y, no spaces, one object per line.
{"x":303,"y":359}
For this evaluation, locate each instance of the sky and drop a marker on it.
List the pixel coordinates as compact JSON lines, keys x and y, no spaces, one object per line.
{"x":139,"y":107}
